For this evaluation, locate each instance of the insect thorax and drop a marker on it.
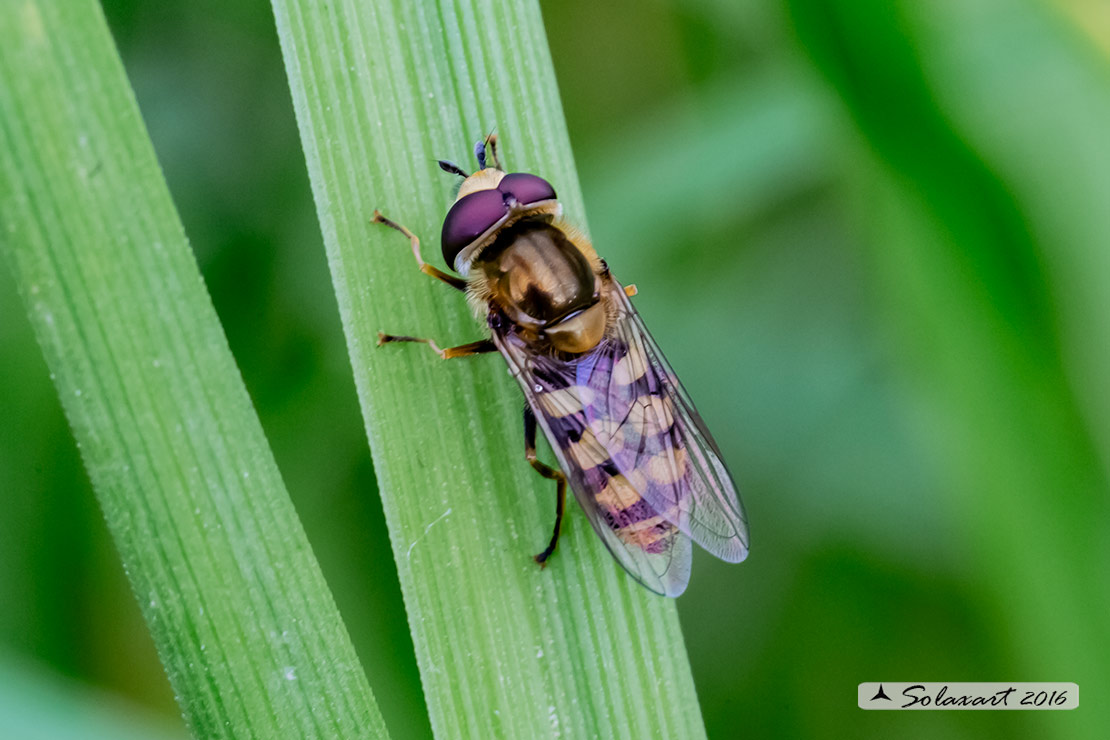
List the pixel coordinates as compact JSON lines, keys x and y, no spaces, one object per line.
{"x":544,"y":284}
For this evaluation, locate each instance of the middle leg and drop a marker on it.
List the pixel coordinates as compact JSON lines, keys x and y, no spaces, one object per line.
{"x":551,"y":474}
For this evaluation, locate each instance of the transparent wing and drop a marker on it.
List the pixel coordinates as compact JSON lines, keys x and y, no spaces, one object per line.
{"x":643,"y":539}
{"x":659,"y":433}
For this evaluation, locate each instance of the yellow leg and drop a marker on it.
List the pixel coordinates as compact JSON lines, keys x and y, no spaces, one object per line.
{"x":463,"y":350}
{"x":454,"y":282}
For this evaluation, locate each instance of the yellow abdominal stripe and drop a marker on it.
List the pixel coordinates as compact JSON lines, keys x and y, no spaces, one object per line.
{"x":609,"y":433}
{"x":620,"y":493}
{"x":651,"y":414}
{"x":587,"y":451}
{"x":630,"y":368}
{"x":565,"y":401}
{"x":642,"y":538}
{"x":668,"y":466}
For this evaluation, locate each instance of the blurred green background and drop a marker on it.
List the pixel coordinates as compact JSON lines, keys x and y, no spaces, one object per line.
{"x":874,"y":240}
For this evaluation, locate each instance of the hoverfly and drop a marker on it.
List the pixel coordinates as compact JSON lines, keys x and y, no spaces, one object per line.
{"x":628,"y":440}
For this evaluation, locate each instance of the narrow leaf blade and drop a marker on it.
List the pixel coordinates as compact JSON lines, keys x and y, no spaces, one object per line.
{"x":505,"y":649}
{"x":238,"y":608}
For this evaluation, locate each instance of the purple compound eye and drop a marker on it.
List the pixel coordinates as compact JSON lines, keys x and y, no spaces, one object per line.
{"x":526,"y":188}
{"x":469,"y":218}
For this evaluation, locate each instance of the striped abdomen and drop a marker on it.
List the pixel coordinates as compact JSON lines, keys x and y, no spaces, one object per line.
{"x":619,"y":458}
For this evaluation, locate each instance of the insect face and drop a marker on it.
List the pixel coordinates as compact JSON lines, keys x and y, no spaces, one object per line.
{"x":488,"y":201}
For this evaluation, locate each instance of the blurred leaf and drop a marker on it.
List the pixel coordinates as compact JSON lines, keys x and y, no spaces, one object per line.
{"x":240,"y":613}
{"x":37,"y":706}
{"x":744,"y":150}
{"x":971,"y":295}
{"x":1034,"y":103}
{"x":34,"y":468}
{"x":877,"y":618}
{"x":1092,"y":17}
{"x":505,"y":649}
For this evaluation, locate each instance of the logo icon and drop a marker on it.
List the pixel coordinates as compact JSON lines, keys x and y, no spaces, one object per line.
{"x":881,"y":695}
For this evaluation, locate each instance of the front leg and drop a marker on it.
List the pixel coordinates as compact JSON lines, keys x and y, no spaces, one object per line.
{"x":454,"y":282}
{"x":481,"y":347}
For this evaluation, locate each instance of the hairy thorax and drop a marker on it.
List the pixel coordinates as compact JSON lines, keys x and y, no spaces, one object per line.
{"x":536,"y":276}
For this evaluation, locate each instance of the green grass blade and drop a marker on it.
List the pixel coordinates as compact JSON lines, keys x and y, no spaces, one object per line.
{"x":505,"y":650}
{"x":238,"y":608}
